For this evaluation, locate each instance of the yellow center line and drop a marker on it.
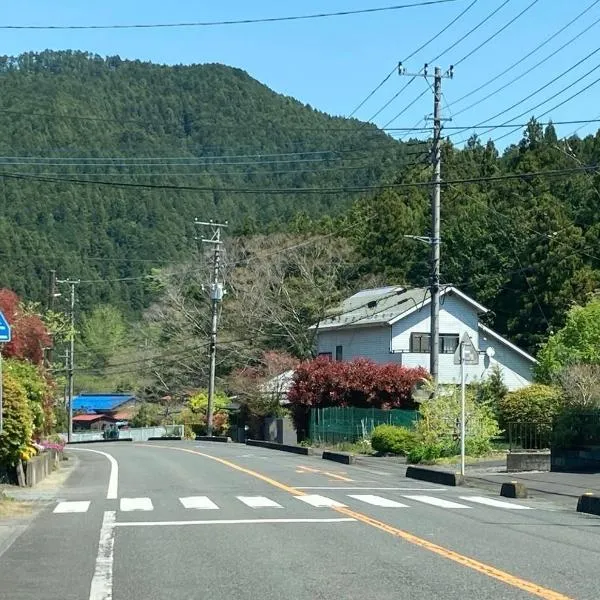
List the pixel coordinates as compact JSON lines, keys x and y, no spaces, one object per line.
{"x":461,"y":559}
{"x":340,"y":477}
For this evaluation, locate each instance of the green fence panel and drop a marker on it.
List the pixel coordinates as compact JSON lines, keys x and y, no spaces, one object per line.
{"x":350,"y":424}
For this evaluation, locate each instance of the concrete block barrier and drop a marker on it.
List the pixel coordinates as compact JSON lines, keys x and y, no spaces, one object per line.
{"x":513,"y":489}
{"x":284,"y":447}
{"x":165,"y":438}
{"x":213,"y":438}
{"x":341,"y":457}
{"x":589,"y":503}
{"x":435,"y":476}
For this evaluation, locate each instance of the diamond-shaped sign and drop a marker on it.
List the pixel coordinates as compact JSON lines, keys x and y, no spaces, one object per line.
{"x":470,"y":354}
{"x":5,"y":335}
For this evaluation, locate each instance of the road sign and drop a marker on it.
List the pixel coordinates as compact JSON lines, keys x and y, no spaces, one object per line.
{"x":4,"y":329}
{"x":470,"y":355}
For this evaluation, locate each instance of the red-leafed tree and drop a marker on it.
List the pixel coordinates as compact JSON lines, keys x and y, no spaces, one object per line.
{"x":361,"y":383}
{"x":29,"y":333}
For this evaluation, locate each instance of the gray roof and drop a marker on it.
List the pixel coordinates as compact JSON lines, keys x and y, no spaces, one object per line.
{"x":382,"y":306}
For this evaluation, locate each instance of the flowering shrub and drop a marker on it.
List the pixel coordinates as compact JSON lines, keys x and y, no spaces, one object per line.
{"x":361,"y":383}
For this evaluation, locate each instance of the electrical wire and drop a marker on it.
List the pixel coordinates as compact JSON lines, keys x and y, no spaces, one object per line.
{"x":322,"y":15}
{"x":537,"y":91}
{"x":299,"y":190}
{"x":496,"y":33}
{"x":522,"y":59}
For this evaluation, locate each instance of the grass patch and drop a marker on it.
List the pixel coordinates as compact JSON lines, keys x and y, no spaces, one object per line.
{"x":469,"y":460}
{"x":361,"y":447}
{"x":11,"y":508}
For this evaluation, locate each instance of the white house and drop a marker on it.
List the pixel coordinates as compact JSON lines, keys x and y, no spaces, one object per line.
{"x":392,"y":324}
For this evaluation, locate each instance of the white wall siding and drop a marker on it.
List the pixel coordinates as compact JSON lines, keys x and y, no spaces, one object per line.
{"x":359,"y":342}
{"x":385,"y":344}
{"x":456,"y":316}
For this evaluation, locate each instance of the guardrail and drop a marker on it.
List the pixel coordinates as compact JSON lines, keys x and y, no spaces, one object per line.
{"x":137,"y":434}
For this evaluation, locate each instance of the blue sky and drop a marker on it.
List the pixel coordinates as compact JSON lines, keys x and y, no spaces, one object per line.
{"x":332,"y":64}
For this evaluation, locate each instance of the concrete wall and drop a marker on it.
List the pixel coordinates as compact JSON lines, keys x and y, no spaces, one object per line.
{"x":280,"y":430}
{"x":528,"y":461}
{"x":39,"y":467}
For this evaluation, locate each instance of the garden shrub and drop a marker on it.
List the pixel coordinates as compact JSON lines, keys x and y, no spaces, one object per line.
{"x":536,"y":404}
{"x":393,"y":439}
{"x":16,"y":436}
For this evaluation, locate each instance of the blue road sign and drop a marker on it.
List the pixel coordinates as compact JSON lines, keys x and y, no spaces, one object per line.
{"x":4,"y":329}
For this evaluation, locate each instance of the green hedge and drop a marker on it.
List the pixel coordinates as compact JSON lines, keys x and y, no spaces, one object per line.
{"x":393,"y":439}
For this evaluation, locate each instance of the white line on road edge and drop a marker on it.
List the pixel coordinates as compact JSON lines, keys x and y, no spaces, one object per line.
{"x":102,"y":582}
{"x":113,"y":481}
{"x":389,"y":489}
{"x":226,"y":522}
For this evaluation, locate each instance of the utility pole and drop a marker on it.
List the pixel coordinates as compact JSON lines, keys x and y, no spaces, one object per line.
{"x":216,"y":296}
{"x":51,"y":296}
{"x":435,"y":238}
{"x":71,"y":360}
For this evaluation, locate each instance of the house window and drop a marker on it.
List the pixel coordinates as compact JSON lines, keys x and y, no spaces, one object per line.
{"x":448,"y":343}
{"x":419,"y":342}
{"x":326,"y":355}
{"x":338,"y":353}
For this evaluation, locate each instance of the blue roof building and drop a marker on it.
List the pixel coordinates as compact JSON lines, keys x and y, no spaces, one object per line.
{"x":100,"y":403}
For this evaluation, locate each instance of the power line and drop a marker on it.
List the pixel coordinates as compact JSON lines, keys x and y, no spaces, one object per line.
{"x":306,"y":190}
{"x":496,"y":33}
{"x":587,"y":87}
{"x":236,"y":21}
{"x":538,"y":90}
{"x":407,"y":58}
{"x":522,"y":59}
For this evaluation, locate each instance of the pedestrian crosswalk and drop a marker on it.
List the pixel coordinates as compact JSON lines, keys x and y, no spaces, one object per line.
{"x":145,"y":504}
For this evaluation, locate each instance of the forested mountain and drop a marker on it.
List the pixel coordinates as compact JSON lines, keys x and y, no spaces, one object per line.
{"x":71,"y":115}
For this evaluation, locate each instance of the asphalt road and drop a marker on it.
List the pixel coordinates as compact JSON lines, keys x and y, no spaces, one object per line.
{"x":186,"y":520}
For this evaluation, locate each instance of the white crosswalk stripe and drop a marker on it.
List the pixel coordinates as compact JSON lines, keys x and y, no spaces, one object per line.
{"x":130,"y":504}
{"x":258,"y":502}
{"x":320,"y":501}
{"x":314,"y":500}
{"x":198,"y":502}
{"x":72,"y":507}
{"x":495,"y":503}
{"x":378,"y":501}
{"x":437,"y":501}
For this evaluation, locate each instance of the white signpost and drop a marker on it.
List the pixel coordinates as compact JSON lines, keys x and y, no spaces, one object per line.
{"x":5,"y":337}
{"x":466,"y":354}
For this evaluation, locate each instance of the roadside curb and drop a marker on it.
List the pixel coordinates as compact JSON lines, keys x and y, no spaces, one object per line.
{"x":213,"y":438}
{"x":99,"y":441}
{"x":341,"y":457}
{"x":588,"y":503}
{"x":165,"y":438}
{"x":435,"y":476}
{"x":283,"y":447}
{"x":513,"y":489}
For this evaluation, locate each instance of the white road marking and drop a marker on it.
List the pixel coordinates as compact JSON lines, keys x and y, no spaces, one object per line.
{"x":320,"y":501}
{"x":113,"y":481}
{"x":200,"y":502}
{"x":72,"y":507}
{"x":259,"y":502}
{"x":389,"y":489}
{"x":378,"y":501}
{"x":129,"y":504}
{"x":102,"y":581}
{"x":495,"y":503}
{"x":227,"y":522}
{"x":437,"y":502}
